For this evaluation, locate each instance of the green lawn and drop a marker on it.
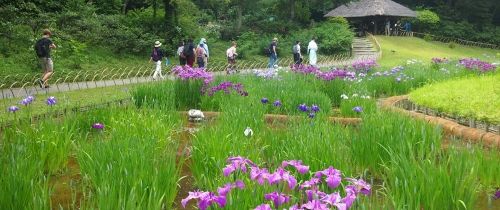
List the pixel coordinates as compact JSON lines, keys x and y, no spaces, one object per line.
{"x":65,"y":100}
{"x":397,"y":50}
{"x":477,"y":97}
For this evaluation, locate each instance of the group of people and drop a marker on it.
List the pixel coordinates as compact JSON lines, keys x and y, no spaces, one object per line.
{"x":188,"y":54}
{"x":398,"y":27}
{"x":312,"y":50}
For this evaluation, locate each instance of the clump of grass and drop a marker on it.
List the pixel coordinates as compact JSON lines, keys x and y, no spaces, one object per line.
{"x":132,"y":163}
{"x":30,"y":155}
{"x":384,"y":133}
{"x":159,"y":95}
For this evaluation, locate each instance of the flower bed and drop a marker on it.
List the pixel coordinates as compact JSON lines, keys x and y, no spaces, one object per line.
{"x":283,"y":150}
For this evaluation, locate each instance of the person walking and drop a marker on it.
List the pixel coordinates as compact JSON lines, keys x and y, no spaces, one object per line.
{"x":42,"y":48}
{"x":203,"y":42}
{"x":189,"y":52}
{"x":407,"y":26}
{"x":397,"y":28}
{"x":273,"y":55}
{"x":387,"y":27}
{"x":156,"y":57}
{"x":231,"y":58}
{"x":182,"y":57}
{"x":200,"y":56}
{"x":312,"y":48}
{"x":297,"y":55}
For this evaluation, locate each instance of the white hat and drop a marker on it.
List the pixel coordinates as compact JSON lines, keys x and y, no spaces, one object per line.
{"x":157,"y":44}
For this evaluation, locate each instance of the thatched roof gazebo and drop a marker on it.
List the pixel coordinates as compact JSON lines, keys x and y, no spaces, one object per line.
{"x":374,"y":10}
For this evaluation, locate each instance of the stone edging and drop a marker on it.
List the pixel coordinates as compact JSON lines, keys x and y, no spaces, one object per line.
{"x":474,"y":135}
{"x":269,"y":118}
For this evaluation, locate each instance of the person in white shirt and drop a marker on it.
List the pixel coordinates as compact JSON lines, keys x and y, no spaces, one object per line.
{"x":231,"y":58}
{"x":312,"y":49}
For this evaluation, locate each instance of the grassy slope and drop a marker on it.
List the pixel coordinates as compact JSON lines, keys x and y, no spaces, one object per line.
{"x":415,"y":48}
{"x":476,"y":97}
{"x":69,"y":100}
{"x":93,"y":58}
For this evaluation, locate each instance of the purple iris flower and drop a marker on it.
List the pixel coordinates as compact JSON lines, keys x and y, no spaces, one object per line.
{"x":331,"y":198}
{"x":312,"y":183}
{"x":237,"y":163}
{"x":264,"y":100}
{"x":25,"y":102}
{"x":226,"y":87}
{"x":302,"y":169}
{"x":350,"y":196}
{"x":13,"y":109}
{"x":277,"y":198}
{"x":205,"y":199}
{"x":303,"y":108}
{"x":259,"y":174}
{"x":277,"y":103}
{"x":333,"y":176}
{"x":398,"y":79}
{"x":51,"y":101}
{"x":360,"y":186}
{"x":282,"y":175}
{"x":315,"y":108}
{"x":357,"y":109}
{"x":263,"y":207}
{"x":312,"y":115}
{"x":497,"y":194}
{"x":224,"y":190}
{"x":187,"y":73}
{"x":314,"y":194}
{"x":98,"y":126}
{"x":28,"y":100}
{"x":315,"y":205}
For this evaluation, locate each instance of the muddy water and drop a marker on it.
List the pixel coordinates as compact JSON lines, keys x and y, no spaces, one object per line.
{"x":66,"y":187}
{"x":183,"y":152}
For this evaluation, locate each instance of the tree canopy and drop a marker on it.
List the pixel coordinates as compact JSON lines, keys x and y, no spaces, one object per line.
{"x":133,"y":24}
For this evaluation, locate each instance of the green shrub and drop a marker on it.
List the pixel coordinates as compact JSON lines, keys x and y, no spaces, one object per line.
{"x":452,"y":45}
{"x":428,"y":37}
{"x":427,"y":20}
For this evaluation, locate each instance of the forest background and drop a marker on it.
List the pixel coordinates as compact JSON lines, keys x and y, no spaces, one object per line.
{"x":115,"y":33}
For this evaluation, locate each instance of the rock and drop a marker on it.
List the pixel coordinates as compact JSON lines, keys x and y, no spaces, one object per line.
{"x":195,"y":115}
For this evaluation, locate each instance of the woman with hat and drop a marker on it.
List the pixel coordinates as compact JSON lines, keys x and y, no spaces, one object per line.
{"x":157,"y":56}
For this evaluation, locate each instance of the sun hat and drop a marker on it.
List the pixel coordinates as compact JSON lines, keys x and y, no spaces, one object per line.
{"x":157,"y":44}
{"x":275,"y":39}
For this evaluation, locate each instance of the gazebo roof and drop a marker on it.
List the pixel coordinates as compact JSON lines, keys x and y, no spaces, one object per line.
{"x":364,"y":8}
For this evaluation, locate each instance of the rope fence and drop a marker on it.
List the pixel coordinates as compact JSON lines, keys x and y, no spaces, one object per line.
{"x":449,"y":40}
{"x":21,"y":85}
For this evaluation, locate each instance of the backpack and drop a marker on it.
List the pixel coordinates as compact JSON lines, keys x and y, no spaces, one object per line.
{"x":294,"y":49}
{"x":188,"y":50}
{"x":200,"y":52}
{"x":41,"y":49}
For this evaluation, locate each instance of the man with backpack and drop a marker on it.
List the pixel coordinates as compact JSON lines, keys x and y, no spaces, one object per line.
{"x":42,"y":49}
{"x":297,"y":56}
{"x":273,"y":56}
